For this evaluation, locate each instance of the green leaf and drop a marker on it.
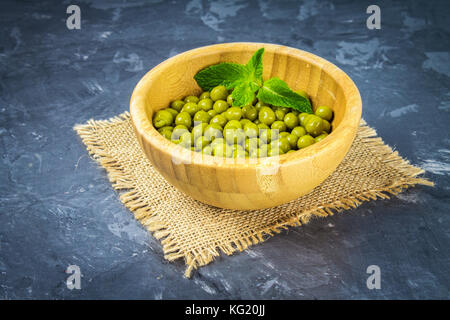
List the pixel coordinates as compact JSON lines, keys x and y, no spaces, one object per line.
{"x":243,"y":95}
{"x":247,"y":79}
{"x":276,"y":92}
{"x":228,"y":74}
{"x":255,"y":67}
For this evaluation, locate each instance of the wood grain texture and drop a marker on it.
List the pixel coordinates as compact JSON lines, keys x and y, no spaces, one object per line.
{"x":252,"y":183}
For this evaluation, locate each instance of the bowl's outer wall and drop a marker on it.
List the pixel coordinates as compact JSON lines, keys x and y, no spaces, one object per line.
{"x":217,"y":182}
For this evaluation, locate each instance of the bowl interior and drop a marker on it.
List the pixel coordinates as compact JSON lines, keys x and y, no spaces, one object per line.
{"x":307,"y":72}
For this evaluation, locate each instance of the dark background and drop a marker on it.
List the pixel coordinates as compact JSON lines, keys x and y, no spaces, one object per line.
{"x":57,"y":207}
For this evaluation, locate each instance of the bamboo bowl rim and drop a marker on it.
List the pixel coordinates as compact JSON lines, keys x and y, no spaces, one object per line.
{"x":144,"y":125}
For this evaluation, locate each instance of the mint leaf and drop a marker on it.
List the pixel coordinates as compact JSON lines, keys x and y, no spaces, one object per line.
{"x":245,"y":79}
{"x":243,"y":95}
{"x":276,"y":92}
{"x":228,"y":74}
{"x":255,"y":67}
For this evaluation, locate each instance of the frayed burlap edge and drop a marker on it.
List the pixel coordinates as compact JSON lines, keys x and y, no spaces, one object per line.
{"x":135,"y":202}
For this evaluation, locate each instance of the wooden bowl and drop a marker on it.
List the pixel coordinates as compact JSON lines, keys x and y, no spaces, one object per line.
{"x":253,"y":183}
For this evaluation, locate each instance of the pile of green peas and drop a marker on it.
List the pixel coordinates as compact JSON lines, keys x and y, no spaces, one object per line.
{"x":208,"y":123}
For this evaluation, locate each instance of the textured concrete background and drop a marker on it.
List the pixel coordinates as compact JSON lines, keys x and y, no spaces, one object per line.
{"x":57,"y":207}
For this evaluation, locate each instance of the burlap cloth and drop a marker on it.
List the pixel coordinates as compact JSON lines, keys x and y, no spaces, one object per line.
{"x":198,"y":232}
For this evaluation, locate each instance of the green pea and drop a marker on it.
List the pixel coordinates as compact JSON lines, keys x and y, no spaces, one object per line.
{"x":205,"y":104}
{"x":262,"y":126}
{"x":269,"y":135}
{"x":298,"y":131}
{"x":240,"y":154}
{"x":283,"y":134}
{"x":326,"y":126}
{"x":193,"y":99}
{"x":235,"y":147}
{"x":324,"y":112}
{"x":219,"y":93}
{"x":185,"y":144}
{"x":314,"y":125}
{"x":233,"y":124}
{"x":244,"y":122}
{"x":204,"y":95}
{"x":251,"y":144}
{"x":250,"y":113}
{"x":220,"y":106}
{"x":266,"y":116}
{"x":202,"y":116}
{"x":207,"y":150}
{"x":284,"y":145}
{"x":278,"y":125}
{"x":284,"y":109}
{"x":263,"y":150}
{"x":302,"y":117}
{"x":305,"y":141}
{"x":251,"y":130}
{"x":279,"y":114}
{"x":292,"y":139}
{"x":212,"y":113}
{"x":162,"y":118}
{"x":219,"y":119}
{"x":234,"y":136}
{"x":200,"y":143}
{"x":233,"y":113}
{"x":291,"y":120}
{"x":170,"y":128}
{"x":259,"y":105}
{"x":218,"y":141}
{"x":254,"y":153}
{"x":178,"y":131}
{"x":180,"y":126}
{"x":213,"y":131}
{"x":177,"y":105}
{"x":166,"y":134}
{"x":198,"y":130}
{"x":186,"y":139}
{"x":321,"y":136}
{"x":172,"y":111}
{"x":191,"y":108}
{"x":183,"y":118}
{"x":222,"y":150}
{"x":230,"y":99}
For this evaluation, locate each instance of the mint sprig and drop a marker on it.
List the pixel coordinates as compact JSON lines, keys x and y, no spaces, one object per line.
{"x":246,"y":80}
{"x":226,"y":74}
{"x":255,"y":68}
{"x":276,"y":92}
